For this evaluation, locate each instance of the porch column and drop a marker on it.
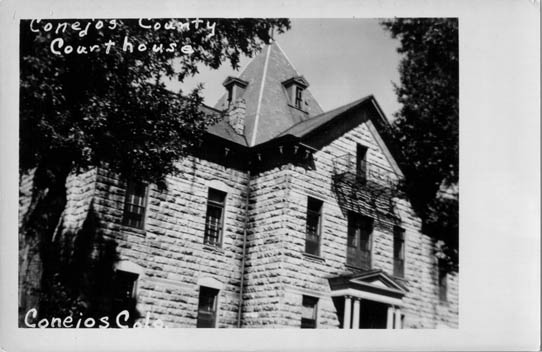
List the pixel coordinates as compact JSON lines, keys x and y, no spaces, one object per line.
{"x":355,"y":319}
{"x":347,"y":311}
{"x":397,"y":318}
{"x":389,"y":322}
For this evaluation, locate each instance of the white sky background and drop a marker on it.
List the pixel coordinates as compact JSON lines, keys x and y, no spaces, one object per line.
{"x":343,"y":60}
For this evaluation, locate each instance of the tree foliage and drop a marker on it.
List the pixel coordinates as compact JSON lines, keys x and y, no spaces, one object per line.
{"x":84,"y":108}
{"x":425,"y":130}
{"x":113,"y":107}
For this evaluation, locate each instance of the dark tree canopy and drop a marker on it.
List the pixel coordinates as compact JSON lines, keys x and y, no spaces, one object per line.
{"x":92,"y":93}
{"x":425,"y":130}
{"x":111,"y":106}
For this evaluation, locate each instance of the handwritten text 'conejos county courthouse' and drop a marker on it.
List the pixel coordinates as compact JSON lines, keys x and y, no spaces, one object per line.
{"x":58,"y":45}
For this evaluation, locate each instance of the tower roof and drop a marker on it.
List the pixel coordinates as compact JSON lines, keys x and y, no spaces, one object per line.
{"x":269,"y":110}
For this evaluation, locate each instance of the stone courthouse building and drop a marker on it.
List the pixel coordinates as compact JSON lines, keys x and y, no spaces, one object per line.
{"x":287,"y":217}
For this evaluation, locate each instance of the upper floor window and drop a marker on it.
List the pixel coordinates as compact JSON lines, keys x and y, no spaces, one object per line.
{"x":134,"y":205}
{"x":361,"y":162}
{"x":235,"y":88}
{"x":295,"y":87}
{"x":442,"y":281}
{"x":298,"y":97}
{"x":309,"y":312}
{"x":214,"y":219}
{"x":207,"y":307}
{"x":314,"y":226}
{"x":230,"y":95}
{"x":359,"y":241}
{"x":398,"y":251}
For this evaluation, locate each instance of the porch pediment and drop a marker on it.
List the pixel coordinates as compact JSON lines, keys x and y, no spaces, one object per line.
{"x":373,"y":285}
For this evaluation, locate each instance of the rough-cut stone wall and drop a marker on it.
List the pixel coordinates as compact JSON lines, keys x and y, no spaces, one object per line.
{"x":170,"y":249}
{"x":175,"y":261}
{"x":303,"y":274}
{"x":263,"y":270}
{"x":79,"y":194}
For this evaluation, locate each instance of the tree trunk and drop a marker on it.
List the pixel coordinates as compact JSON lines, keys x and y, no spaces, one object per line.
{"x":36,"y":232}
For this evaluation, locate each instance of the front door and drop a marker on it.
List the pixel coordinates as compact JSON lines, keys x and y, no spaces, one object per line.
{"x":374,"y":315}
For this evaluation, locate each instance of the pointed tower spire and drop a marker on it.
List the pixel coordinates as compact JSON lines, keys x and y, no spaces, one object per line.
{"x":276,"y":97}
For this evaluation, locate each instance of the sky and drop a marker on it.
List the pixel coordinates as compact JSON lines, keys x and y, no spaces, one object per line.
{"x":342,"y":59}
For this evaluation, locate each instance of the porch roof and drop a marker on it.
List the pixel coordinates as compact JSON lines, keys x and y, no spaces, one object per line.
{"x":372,"y":284}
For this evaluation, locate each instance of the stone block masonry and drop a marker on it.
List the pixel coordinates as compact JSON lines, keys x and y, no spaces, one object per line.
{"x":170,"y":249}
{"x":304,"y":274}
{"x":174,"y":261}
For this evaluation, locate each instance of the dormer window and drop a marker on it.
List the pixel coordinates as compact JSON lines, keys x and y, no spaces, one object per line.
{"x":230,"y":94}
{"x":298,"y":97}
{"x":295,"y":87}
{"x":235,"y":87}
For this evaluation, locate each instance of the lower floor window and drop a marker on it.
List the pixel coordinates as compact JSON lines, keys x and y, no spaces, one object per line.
{"x":309,"y":312}
{"x":207,"y":307}
{"x":124,"y":292}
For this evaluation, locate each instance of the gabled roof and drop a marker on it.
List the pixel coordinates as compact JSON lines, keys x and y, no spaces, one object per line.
{"x":270,"y":115}
{"x":372,"y":281}
{"x":304,"y":127}
{"x":378,"y":278}
{"x":268,"y":109}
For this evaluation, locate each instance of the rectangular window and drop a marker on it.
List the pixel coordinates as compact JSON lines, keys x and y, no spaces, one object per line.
{"x":207,"y":307}
{"x":214,"y":219}
{"x":298,"y":97}
{"x":134,"y":205}
{"x":313,"y":228}
{"x":442,"y":282}
{"x":361,"y":163}
{"x":124,"y":286}
{"x":398,"y":251}
{"x":309,"y":312}
{"x":230,"y":95}
{"x":124,"y":292}
{"x":359,"y":241}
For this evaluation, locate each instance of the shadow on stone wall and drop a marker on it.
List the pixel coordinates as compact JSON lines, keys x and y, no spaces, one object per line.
{"x":80,"y":280}
{"x":366,"y":198}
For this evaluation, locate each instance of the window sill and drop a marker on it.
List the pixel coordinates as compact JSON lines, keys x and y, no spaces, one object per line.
{"x":356,"y":268}
{"x":445,"y":304}
{"x":133,"y":230}
{"x":313,"y":257}
{"x":298,"y":109}
{"x":213,"y":249}
{"x":400,"y":278}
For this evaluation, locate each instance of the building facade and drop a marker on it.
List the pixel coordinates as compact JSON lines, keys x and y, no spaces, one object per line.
{"x":286,"y":217}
